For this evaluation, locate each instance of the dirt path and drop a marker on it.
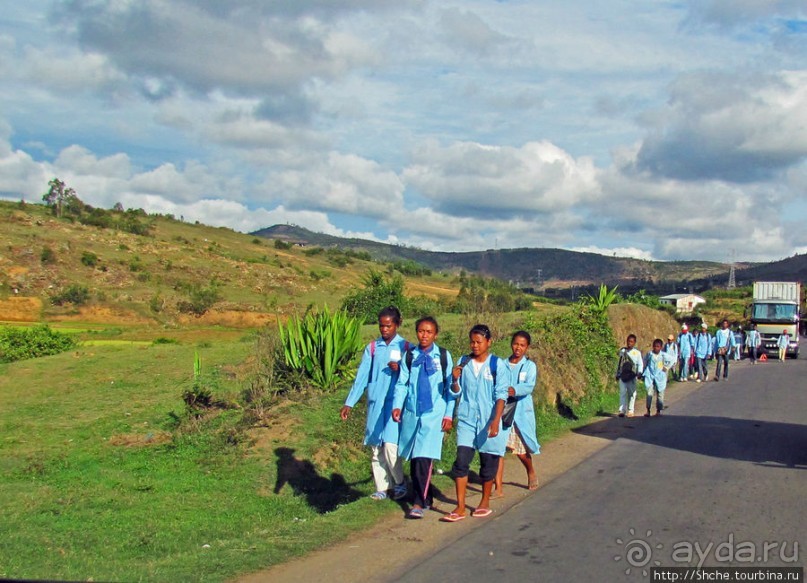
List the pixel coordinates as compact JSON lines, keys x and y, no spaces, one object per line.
{"x":403,"y":543}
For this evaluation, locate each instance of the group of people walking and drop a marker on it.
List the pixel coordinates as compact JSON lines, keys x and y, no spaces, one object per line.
{"x":683,"y":358}
{"x":416,"y":393}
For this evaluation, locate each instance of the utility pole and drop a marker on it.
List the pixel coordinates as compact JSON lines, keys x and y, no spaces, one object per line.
{"x":732,"y":281}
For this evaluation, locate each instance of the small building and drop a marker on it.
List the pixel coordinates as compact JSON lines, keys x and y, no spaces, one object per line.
{"x":684,"y":303}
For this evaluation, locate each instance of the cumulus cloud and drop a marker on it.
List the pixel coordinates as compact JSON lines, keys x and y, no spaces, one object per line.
{"x":343,"y":183}
{"x":240,"y":47}
{"x":472,"y":179}
{"x":739,"y":128}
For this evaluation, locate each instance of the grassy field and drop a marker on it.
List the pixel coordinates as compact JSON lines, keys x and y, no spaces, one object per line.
{"x":96,"y":483}
{"x":97,"y":479}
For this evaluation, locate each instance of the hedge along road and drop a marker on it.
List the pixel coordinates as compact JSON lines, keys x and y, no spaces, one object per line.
{"x":599,"y":482}
{"x":721,"y":475}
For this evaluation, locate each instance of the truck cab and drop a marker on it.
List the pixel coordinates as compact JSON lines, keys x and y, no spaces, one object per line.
{"x":776,"y":307}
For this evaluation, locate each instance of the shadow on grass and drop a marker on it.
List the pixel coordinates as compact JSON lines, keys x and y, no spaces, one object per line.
{"x":323,"y":494}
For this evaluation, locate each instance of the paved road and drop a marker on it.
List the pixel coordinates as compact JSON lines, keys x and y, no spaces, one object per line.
{"x":728,"y":464}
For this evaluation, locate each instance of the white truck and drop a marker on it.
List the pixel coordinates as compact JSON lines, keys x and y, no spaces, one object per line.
{"x":776,"y":307}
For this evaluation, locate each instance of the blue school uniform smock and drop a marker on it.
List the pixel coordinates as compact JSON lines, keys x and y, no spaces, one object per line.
{"x":422,"y":435}
{"x":703,"y":345}
{"x":685,"y":344}
{"x":476,"y":409}
{"x":655,"y":370}
{"x":523,"y":375}
{"x":380,"y":386}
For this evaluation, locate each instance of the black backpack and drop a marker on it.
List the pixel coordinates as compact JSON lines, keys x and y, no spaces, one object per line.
{"x":626,"y":367}
{"x":443,"y":360}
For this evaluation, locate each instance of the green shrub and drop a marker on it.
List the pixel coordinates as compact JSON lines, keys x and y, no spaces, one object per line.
{"x":74,"y":294}
{"x":378,"y":293}
{"x":23,"y":343}
{"x":89,"y":259}
{"x":320,"y":346}
{"x":47,"y":256}
{"x":282,"y":245}
{"x":201,"y":299}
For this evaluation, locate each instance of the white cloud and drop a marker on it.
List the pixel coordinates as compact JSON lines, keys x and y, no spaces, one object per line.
{"x":340,"y":183}
{"x":740,"y":127}
{"x":471,"y":179}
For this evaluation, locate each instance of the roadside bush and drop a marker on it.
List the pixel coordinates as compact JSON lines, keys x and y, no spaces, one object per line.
{"x":23,"y":343}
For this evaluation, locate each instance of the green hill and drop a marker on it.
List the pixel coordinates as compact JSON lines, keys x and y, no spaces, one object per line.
{"x":175,"y":273}
{"x":548,"y":269}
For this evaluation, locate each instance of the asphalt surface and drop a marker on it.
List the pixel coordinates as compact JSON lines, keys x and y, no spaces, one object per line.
{"x":717,"y":479}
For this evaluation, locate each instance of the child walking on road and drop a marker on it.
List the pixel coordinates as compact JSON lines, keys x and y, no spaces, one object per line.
{"x":484,"y":390}
{"x":377,"y":374}
{"x":657,"y":363}
{"x":521,"y":438}
{"x":420,"y":405}
{"x":628,"y":368}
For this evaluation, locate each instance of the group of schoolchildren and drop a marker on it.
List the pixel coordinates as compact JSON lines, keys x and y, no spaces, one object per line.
{"x":683,"y":358}
{"x":416,"y":391}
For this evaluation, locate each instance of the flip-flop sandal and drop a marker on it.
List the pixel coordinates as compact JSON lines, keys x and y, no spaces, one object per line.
{"x":378,"y":495}
{"x":416,"y":513}
{"x":453,"y":517}
{"x":481,"y":512}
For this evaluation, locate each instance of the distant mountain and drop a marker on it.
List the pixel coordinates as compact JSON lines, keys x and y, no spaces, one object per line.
{"x":557,"y":269}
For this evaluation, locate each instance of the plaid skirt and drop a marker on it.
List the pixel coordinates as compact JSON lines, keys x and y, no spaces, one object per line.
{"x":515,"y":442}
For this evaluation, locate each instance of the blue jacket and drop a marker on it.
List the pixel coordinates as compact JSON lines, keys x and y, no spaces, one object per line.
{"x":655,"y":370}
{"x":523,"y":375}
{"x":380,"y":427}
{"x":685,"y":344}
{"x":703,"y":345}
{"x":422,"y":435}
{"x":476,"y":409}
{"x":724,"y":339}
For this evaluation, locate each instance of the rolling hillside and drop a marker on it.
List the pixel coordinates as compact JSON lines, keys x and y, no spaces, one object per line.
{"x":157,"y":277}
{"x":548,"y":269}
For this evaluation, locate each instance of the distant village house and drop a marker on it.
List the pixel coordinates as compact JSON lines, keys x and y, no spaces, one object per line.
{"x":684,"y":303}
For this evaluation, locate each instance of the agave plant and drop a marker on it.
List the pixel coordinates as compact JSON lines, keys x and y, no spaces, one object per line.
{"x":604,"y":298}
{"x":320,"y":345}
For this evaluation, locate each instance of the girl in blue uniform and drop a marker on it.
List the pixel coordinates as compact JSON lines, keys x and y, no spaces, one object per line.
{"x":656,"y":365}
{"x":521,"y":439}
{"x":378,"y":373}
{"x":484,"y":390}
{"x":422,"y":395}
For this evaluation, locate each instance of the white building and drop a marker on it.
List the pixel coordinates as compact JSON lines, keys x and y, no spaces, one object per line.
{"x":684,"y":303}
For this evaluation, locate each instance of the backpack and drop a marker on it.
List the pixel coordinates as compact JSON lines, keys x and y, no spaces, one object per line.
{"x":626,"y":368}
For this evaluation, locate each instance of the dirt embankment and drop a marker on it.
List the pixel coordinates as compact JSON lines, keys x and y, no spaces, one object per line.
{"x":20,"y":310}
{"x":646,"y":323}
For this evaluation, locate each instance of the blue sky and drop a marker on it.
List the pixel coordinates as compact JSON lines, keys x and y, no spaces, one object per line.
{"x":664,"y":129}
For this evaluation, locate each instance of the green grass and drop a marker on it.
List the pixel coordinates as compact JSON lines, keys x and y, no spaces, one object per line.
{"x":92,"y":486}
{"x":76,"y":506}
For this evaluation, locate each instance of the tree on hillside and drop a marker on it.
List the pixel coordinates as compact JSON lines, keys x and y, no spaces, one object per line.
{"x":59,"y":197}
